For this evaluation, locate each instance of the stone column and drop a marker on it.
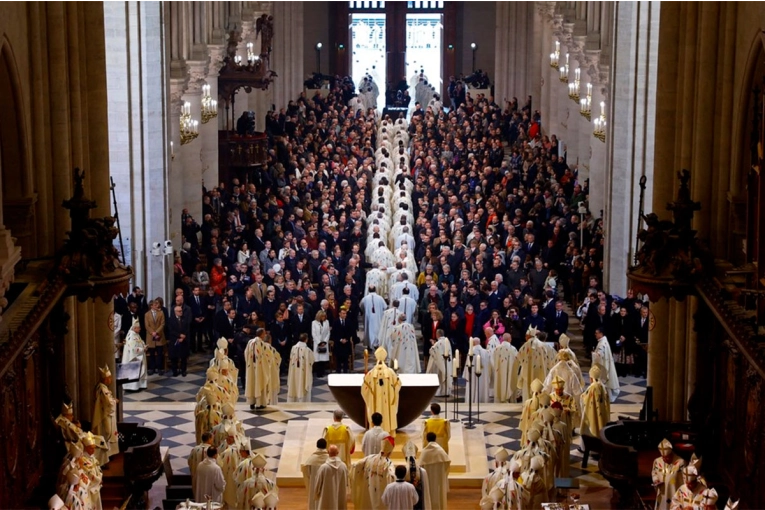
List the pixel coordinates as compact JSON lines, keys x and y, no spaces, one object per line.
{"x":208,"y":133}
{"x":287,"y":56}
{"x":176,"y":199}
{"x":191,"y":153}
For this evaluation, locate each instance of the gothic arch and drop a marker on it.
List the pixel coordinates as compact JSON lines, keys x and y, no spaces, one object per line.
{"x":14,"y":150}
{"x":740,"y":141}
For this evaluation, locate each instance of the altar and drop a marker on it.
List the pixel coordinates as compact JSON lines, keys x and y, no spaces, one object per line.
{"x":416,"y":394}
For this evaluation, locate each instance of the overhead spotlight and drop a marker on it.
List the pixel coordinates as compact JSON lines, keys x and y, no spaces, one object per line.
{"x":450,"y":47}
{"x":318,"y":45}
{"x":473,"y":46}
{"x":341,"y":46}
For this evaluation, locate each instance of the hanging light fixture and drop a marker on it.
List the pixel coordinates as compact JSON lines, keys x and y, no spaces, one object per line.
{"x":209,"y":105}
{"x":555,"y":56}
{"x":585,"y":104}
{"x":599,"y":131}
{"x":189,"y":127}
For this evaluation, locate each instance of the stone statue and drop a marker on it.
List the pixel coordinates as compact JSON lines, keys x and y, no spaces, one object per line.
{"x":264,"y":26}
{"x":380,"y":391}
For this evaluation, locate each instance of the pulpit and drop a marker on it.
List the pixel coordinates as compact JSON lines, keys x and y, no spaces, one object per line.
{"x":417,"y":391}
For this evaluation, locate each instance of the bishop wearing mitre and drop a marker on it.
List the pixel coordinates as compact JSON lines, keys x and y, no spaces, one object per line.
{"x":105,"y":412}
{"x":596,"y":406}
{"x":380,"y":392}
{"x":532,"y":362}
{"x":666,"y":475}
{"x":440,"y":363}
{"x":300,"y":376}
{"x":260,"y":358}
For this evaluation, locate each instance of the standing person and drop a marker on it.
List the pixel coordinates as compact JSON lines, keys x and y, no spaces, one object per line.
{"x":435,"y":461}
{"x":178,"y":331}
{"x":341,"y":334}
{"x":210,"y":481}
{"x":320,"y":332}
{"x":331,"y":483}
{"x":310,"y":469}
{"x":300,"y":377}
{"x":440,"y":427}
{"x":666,"y":475}
{"x":374,"y":307}
{"x":197,"y":455}
{"x":154,"y":320}
{"x":441,"y":365}
{"x":198,"y":304}
{"x":373,"y":437}
{"x":105,"y":412}
{"x":339,"y":434}
{"x":135,"y":350}
{"x":371,"y":475}
{"x":400,"y":495}
{"x":603,"y":357}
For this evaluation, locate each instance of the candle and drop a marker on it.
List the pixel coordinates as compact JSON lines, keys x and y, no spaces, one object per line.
{"x":478,"y":365}
{"x":395,"y":364}
{"x":172,"y":150}
{"x":470,"y":352}
{"x":602,"y":108}
{"x":454,"y":370}
{"x":456,"y":358}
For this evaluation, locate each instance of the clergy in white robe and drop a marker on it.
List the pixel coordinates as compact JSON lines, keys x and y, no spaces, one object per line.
{"x":400,"y":494}
{"x":331,"y":481}
{"x":380,"y":391}
{"x":135,"y":350}
{"x":566,"y":369}
{"x":210,"y":481}
{"x":371,"y":443}
{"x":407,"y":305}
{"x":603,"y":357}
{"x":563,"y":341}
{"x":105,"y":412}
{"x":75,"y":495}
{"x":228,"y":461}
{"x":417,"y":476}
{"x":387,"y":324}
{"x":595,"y":405}
{"x":92,"y":469}
{"x":478,"y":386}
{"x":73,"y":433}
{"x":403,"y":340}
{"x":505,"y":373}
{"x":256,"y":484}
{"x":258,"y":384}
{"x":300,"y":375}
{"x":250,"y":478}
{"x":310,"y":470}
{"x":534,"y":483}
{"x":569,"y":402}
{"x":197,"y":455}
{"x":532,"y":363}
{"x":564,"y":452}
{"x":373,"y":306}
{"x":440,"y":365}
{"x":370,"y":476}
{"x":207,"y":414}
{"x":340,"y":435}
{"x":435,"y":461}
{"x":689,"y":495}
{"x":666,"y":475}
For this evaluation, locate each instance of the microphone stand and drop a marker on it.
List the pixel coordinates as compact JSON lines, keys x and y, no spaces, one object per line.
{"x":470,"y":393}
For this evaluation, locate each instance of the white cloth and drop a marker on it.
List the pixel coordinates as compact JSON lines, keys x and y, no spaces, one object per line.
{"x":210,"y":481}
{"x":135,"y":351}
{"x":403,"y":343}
{"x":197,"y":455}
{"x":105,"y":417}
{"x":479,"y":389}
{"x":505,"y":373}
{"x":300,"y":375}
{"x":400,"y":495}
{"x":389,"y":321}
{"x":532,"y":364}
{"x":320,"y":333}
{"x":603,"y":357}
{"x":331,"y":482}
{"x":310,"y":470}
{"x":407,"y":306}
{"x":369,"y":478}
{"x":371,"y":443}
{"x":441,"y":366}
{"x":374,"y":307}
{"x":435,"y":461}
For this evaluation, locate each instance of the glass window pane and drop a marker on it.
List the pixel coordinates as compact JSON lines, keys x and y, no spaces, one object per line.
{"x":424,"y":33}
{"x":368,"y":50}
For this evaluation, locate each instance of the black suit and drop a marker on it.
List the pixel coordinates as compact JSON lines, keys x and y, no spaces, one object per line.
{"x":178,"y":348}
{"x":226,"y":327}
{"x":559,"y":323}
{"x":198,"y":305}
{"x":342,"y":330}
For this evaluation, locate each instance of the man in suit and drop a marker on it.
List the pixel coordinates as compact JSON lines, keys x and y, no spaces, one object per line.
{"x":178,"y":332}
{"x":258,"y":288}
{"x":247,"y":305}
{"x":300,"y":322}
{"x":643,"y":325}
{"x":557,"y":323}
{"x":341,"y":334}
{"x":198,"y":304}
{"x":155,"y":338}
{"x":535,"y":319}
{"x":227,"y":326}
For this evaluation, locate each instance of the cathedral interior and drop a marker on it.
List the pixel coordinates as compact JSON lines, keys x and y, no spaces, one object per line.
{"x":123,"y":125}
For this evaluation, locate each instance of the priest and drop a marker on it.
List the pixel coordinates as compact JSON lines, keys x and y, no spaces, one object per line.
{"x":339,"y":434}
{"x":197,"y":455}
{"x":380,"y":392}
{"x":438,"y":426}
{"x":92,"y":471}
{"x":478,"y":387}
{"x":596,"y":406}
{"x":228,"y":460}
{"x":73,"y":433}
{"x":532,"y":362}
{"x":372,"y":440}
{"x":603,"y":357}
{"x":310,"y":469}
{"x":403,"y":342}
{"x":370,"y":476}
{"x":666,"y":475}
{"x":105,"y":412}
{"x":300,"y":375}
{"x":255,"y":481}
{"x":417,"y":476}
{"x":440,"y":362}
{"x":207,"y":414}
{"x":331,"y":481}
{"x":388,"y":322}
{"x":689,"y":494}
{"x":567,"y":401}
{"x":435,"y":461}
{"x":373,"y":306}
{"x":530,"y":407}
{"x":258,"y":360}
{"x":135,"y":351}
{"x":505,"y":373}
{"x":210,"y":481}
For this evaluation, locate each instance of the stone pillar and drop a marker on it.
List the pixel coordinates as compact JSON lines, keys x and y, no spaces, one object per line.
{"x":175,"y":172}
{"x":191,"y":153}
{"x":287,"y":56}
{"x":209,"y":132}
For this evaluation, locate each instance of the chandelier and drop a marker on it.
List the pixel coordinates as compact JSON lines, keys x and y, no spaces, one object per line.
{"x":209,"y":105}
{"x":564,"y":71}
{"x":555,"y":56}
{"x":585,"y":104}
{"x":573,"y":88}
{"x":189,"y":127}
{"x":599,"y":131}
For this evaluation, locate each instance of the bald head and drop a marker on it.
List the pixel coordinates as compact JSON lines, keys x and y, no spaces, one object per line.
{"x":333,"y":451}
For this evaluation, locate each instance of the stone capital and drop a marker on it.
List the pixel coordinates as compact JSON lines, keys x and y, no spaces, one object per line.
{"x":217,"y":54}
{"x":177,"y":90}
{"x":546,"y":10}
{"x":198,"y":71}
{"x":592,"y":64}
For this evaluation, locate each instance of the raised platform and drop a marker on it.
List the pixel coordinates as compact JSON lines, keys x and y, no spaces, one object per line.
{"x":467,"y":451}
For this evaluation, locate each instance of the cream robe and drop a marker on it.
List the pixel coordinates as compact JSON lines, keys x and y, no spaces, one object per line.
{"x":369,"y":478}
{"x":479,"y":389}
{"x":105,"y":418}
{"x":565,"y":370}
{"x":274,"y":360}
{"x":72,"y":433}
{"x":435,"y":461}
{"x":667,"y":477}
{"x":260,"y":358}
{"x":374,"y":307}
{"x":534,"y":485}
{"x":532,"y":364}
{"x":210,"y":481}
{"x":300,"y":375}
{"x":251,"y":486}
{"x":596,"y":409}
{"x":77,"y":499}
{"x":206,"y":417}
{"x":441,"y":366}
{"x":330,"y":489}
{"x":343,"y":439}
{"x":371,"y":443}
{"x":685,"y":497}
{"x":228,"y":461}
{"x":564,"y":452}
{"x":197,"y":455}
{"x":95,"y":478}
{"x":400,"y":495}
{"x":403,"y":341}
{"x":570,"y":414}
{"x":310,"y":469}
{"x":134,"y":350}
{"x":382,"y":398}
{"x":505,"y":373}
{"x":603,"y":357}
{"x":387,"y":324}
